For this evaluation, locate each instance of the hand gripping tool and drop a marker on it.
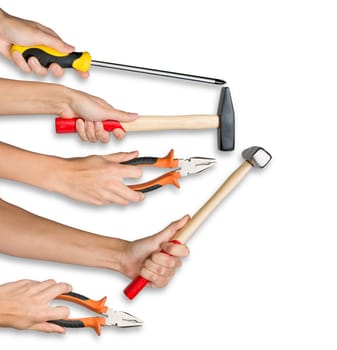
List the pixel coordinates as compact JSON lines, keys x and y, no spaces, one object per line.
{"x":108,"y":317}
{"x":184,"y":167}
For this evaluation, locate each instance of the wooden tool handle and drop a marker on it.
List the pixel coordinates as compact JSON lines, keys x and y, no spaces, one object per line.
{"x":232,"y":181}
{"x":192,"y":225}
{"x":147,"y":123}
{"x":153,"y":122}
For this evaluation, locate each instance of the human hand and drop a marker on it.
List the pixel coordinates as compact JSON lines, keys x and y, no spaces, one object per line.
{"x":145,"y":257}
{"x":91,"y":110}
{"x":14,"y":30}
{"x":24,"y":304}
{"x":99,"y":179}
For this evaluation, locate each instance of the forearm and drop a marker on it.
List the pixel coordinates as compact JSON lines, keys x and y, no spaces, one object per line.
{"x":31,"y":168}
{"x":26,"y":235}
{"x":27,"y":97}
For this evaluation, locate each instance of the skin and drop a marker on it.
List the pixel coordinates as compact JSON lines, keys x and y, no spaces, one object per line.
{"x":14,"y":30}
{"x":27,"y":97}
{"x":96,"y":180}
{"x":24,"y":32}
{"x":25,"y":304}
{"x":26,"y":235}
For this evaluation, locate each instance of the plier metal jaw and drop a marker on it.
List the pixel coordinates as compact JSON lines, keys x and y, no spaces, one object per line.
{"x":108,"y":317}
{"x":183,"y":167}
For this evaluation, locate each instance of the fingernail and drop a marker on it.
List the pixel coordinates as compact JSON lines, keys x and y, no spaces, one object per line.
{"x":34,"y":61}
{"x":54,"y":69}
{"x":119,"y":134}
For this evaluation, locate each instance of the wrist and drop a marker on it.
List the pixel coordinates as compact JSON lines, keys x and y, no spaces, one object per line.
{"x":110,"y":253}
{"x":28,"y":97}
{"x":55,"y":99}
{"x":54,"y":168}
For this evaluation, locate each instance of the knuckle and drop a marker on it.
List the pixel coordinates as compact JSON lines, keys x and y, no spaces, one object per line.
{"x":161,"y":283}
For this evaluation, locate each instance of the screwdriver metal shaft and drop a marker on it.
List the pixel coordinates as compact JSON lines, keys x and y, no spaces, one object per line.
{"x":158,"y":72}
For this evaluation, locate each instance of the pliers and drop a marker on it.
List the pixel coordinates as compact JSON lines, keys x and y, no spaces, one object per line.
{"x":108,"y":316}
{"x":184,"y":167}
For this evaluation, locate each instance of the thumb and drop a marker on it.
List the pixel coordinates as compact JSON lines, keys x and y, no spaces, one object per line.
{"x":122,"y":116}
{"x":56,"y":43}
{"x":168,"y":232}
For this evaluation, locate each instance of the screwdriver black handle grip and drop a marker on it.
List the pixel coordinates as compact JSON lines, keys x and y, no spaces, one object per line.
{"x":80,"y":61}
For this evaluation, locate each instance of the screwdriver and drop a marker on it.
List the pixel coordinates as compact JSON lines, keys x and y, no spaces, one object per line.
{"x":81,"y":61}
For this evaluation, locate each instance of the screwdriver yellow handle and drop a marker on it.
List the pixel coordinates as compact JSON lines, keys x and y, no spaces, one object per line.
{"x":78,"y":60}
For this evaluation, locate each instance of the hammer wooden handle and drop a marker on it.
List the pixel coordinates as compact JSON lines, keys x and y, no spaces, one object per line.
{"x":193,"y":224}
{"x":148,"y":123}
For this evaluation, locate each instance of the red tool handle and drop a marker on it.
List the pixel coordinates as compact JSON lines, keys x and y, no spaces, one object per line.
{"x":140,"y":282}
{"x":66,"y":126}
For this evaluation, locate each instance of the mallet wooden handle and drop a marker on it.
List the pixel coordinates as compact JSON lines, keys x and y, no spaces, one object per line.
{"x":148,"y":123}
{"x":193,"y":224}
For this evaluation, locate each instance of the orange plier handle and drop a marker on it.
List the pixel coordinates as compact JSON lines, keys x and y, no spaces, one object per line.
{"x":94,"y":305}
{"x":170,"y":178}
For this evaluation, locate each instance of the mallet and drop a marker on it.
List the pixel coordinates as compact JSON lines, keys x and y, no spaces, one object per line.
{"x":223,"y":121}
{"x":256,"y":157}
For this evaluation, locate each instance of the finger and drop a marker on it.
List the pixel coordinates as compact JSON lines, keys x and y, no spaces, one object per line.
{"x":53,"y":291}
{"x":56,"y":70}
{"x":180,"y":250}
{"x":109,"y":198}
{"x":80,"y":128}
{"x":155,"y":279}
{"x":41,"y":286}
{"x":83,"y":75}
{"x":118,"y":133}
{"x":130,"y":171}
{"x":57,"y":313}
{"x":101,"y":134}
{"x":36,"y":67}
{"x":90,"y":130}
{"x":127,"y":194}
{"x":48,"y":327}
{"x":121,"y":156}
{"x":164,"y":260}
{"x":21,"y":62}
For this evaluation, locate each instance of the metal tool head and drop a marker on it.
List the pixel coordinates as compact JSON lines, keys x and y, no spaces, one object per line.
{"x":257,"y":156}
{"x":122,"y":319}
{"x":226,"y":130}
{"x":194,"y":165}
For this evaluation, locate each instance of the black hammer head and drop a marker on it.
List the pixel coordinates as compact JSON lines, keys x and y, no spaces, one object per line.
{"x":226,"y":130}
{"x":258,"y":157}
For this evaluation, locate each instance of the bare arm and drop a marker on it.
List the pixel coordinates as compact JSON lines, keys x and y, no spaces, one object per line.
{"x":27,"y":97}
{"x":26,"y":235}
{"x":96,"y":180}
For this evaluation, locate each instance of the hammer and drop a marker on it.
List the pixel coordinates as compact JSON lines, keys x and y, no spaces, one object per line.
{"x":254,"y":157}
{"x":223,"y":121}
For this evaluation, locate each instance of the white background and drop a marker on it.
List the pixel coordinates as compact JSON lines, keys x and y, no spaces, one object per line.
{"x":262,"y":269}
